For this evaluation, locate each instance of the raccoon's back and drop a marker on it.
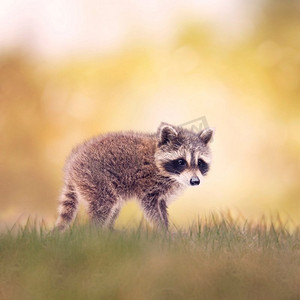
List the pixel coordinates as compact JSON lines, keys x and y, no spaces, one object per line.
{"x":117,"y":157}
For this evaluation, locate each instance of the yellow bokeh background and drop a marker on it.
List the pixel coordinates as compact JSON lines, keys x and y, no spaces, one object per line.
{"x":67,"y":74}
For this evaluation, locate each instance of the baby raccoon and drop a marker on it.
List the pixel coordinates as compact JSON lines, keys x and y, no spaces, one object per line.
{"x":107,"y":170}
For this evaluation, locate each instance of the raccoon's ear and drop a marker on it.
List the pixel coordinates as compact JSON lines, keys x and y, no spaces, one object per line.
{"x":206,"y":135}
{"x":166,"y":133}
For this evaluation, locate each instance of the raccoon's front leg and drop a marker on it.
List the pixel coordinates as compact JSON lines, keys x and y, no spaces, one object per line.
{"x":155,"y":209}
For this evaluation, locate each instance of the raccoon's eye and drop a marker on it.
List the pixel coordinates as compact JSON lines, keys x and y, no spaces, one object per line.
{"x":181,"y":162}
{"x":175,"y":166}
{"x":203,"y":166}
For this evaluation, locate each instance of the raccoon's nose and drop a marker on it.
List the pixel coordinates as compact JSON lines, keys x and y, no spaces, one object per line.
{"x":195,"y":180}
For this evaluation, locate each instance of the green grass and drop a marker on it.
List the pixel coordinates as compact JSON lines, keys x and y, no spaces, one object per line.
{"x":218,"y":258}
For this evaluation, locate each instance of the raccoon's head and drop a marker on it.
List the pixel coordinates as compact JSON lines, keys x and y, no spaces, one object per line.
{"x":182,"y":154}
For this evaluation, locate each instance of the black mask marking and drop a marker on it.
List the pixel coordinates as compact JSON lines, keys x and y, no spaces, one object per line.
{"x":175,"y":166}
{"x":203,"y":166}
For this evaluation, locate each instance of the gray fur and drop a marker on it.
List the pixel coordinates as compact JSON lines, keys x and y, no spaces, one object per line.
{"x":107,"y":170}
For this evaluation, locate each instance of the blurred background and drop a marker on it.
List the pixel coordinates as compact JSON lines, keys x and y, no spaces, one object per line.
{"x":72,"y":70}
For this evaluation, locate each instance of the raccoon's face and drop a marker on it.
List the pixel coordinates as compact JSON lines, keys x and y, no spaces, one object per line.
{"x":182,"y":154}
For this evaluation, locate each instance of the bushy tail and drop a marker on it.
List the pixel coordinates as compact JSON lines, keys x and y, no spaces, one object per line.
{"x":67,"y":209}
